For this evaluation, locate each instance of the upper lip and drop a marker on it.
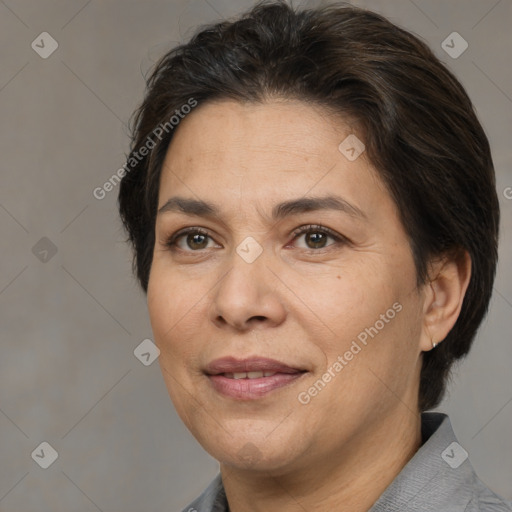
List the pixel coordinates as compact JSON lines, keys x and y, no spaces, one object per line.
{"x":251,"y":364}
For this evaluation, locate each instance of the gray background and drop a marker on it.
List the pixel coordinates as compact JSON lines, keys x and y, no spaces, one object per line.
{"x":69,"y":325}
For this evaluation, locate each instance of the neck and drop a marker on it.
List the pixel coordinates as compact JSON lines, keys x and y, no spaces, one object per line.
{"x":350,"y":478}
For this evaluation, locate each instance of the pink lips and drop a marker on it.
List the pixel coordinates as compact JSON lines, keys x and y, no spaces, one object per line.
{"x":226,"y":376}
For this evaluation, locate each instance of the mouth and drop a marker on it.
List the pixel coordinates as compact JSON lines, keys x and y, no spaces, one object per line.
{"x":247,"y":375}
{"x":252,"y":378}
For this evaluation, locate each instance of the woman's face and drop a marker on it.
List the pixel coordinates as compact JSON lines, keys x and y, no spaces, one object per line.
{"x":331,"y":316}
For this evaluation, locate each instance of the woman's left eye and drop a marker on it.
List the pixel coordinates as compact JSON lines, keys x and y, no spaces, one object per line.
{"x":316,"y":236}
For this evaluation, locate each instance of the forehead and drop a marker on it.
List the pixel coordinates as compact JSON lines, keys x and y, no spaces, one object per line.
{"x":264,"y":152}
{"x":286,"y":130}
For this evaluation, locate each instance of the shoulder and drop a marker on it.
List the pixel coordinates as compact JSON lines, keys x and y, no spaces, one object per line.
{"x":439,"y":477}
{"x":480,"y":497}
{"x":485,"y":500}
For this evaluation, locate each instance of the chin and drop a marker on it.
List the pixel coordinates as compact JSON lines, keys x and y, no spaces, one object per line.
{"x":254,"y":453}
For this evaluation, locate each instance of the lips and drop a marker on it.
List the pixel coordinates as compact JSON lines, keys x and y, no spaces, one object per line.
{"x":233,"y":366}
{"x":249,"y":379}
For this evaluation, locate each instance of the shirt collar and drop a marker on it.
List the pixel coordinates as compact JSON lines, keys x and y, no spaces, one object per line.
{"x":438,"y":474}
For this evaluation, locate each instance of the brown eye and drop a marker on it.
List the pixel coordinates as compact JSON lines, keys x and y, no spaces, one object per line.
{"x":196,"y":241}
{"x":189,"y":240}
{"x":316,"y":237}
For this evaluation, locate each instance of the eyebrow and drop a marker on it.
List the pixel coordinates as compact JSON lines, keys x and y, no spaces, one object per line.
{"x":280,"y":211}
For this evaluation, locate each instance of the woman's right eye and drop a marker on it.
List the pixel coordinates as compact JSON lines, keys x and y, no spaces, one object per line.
{"x":193,"y":238}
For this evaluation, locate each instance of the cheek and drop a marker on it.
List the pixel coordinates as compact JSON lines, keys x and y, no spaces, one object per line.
{"x":158,"y":303}
{"x":165,"y":300}
{"x":376,"y":375}
{"x":373,"y":318}
{"x":176,"y":312}
{"x":347,"y":299}
{"x":168,"y":307}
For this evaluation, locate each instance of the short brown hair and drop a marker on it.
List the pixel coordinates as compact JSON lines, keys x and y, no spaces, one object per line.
{"x":418,"y":124}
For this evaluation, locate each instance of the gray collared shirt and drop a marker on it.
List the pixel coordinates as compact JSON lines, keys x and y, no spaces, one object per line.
{"x":439,"y":478}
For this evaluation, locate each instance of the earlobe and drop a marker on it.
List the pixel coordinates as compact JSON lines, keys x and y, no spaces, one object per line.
{"x":444,"y":297}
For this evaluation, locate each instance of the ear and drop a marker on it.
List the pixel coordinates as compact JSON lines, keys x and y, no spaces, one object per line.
{"x":448,"y":281}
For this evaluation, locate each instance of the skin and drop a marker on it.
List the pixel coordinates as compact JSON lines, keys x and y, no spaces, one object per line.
{"x":298,"y":303}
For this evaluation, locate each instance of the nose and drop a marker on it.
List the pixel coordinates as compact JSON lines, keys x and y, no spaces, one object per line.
{"x":247,"y":296}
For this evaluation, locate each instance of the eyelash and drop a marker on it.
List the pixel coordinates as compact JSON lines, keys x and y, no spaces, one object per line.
{"x":311,"y":228}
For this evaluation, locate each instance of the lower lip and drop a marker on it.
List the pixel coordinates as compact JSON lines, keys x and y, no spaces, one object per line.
{"x":251,"y":389}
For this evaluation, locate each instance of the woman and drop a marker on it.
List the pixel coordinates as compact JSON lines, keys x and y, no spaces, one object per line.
{"x":312,"y":205}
